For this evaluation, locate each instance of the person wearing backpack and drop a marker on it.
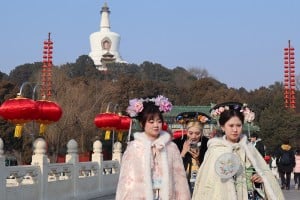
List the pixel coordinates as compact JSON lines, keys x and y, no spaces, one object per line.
{"x":285,"y":163}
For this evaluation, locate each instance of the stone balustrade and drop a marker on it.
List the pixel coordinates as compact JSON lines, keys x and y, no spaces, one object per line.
{"x":43,"y":180}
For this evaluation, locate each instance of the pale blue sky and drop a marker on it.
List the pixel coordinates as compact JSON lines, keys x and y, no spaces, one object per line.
{"x":239,"y":42}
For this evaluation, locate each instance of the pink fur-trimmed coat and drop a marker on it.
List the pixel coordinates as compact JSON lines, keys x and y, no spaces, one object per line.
{"x":135,"y":176}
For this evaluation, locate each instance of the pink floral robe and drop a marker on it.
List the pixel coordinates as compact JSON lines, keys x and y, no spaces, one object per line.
{"x":135,"y":181}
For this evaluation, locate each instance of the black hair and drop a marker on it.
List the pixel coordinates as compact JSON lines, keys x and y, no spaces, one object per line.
{"x":149,"y":111}
{"x":254,"y":135}
{"x":285,"y":141}
{"x":228,"y":114}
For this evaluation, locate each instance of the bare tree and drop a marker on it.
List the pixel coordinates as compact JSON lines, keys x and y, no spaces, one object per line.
{"x":199,"y":73}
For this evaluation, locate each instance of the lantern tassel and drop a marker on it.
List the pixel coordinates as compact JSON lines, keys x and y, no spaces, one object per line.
{"x":42,"y":129}
{"x":120,"y":136}
{"x":18,"y":131}
{"x":107,"y":135}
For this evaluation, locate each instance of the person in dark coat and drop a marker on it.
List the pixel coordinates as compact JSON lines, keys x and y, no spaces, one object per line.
{"x":285,"y":168}
{"x":192,"y":147}
{"x":258,"y":144}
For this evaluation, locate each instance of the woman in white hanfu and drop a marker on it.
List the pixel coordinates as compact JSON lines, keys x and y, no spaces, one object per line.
{"x":151,"y":167}
{"x":232,"y":168}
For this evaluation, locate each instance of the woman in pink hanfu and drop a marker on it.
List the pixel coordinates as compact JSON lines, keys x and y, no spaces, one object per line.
{"x":151,"y":167}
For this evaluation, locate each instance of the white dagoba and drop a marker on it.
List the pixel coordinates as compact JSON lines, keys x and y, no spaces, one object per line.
{"x":104,"y":43}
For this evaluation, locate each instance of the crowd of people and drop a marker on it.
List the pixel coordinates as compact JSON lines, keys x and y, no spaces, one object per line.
{"x":230,"y":167}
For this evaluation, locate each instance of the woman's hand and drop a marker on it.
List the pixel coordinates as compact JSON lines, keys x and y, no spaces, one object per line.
{"x":185,"y":148}
{"x":256,"y":178}
{"x":194,"y":153}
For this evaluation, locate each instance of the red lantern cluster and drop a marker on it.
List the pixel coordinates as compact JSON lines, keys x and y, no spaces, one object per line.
{"x":112,"y":122}
{"x":289,"y":77}
{"x":46,"y":75}
{"x":116,"y":122}
{"x":21,"y":110}
{"x":107,"y":121}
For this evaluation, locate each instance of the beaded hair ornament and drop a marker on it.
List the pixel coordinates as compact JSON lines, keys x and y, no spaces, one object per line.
{"x":249,"y":115}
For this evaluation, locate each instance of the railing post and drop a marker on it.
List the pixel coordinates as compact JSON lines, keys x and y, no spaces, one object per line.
{"x":39,"y":158}
{"x":117,"y":155}
{"x":2,"y":169}
{"x":117,"y":151}
{"x":97,"y":156}
{"x":72,"y":157}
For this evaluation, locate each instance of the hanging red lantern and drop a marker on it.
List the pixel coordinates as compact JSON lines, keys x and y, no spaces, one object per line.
{"x":19,"y":111}
{"x":108,"y":122}
{"x":48,"y":112}
{"x":124,"y":125}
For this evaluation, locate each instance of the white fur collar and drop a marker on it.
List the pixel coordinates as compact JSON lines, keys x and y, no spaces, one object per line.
{"x":163,"y":138}
{"x":223,"y":142}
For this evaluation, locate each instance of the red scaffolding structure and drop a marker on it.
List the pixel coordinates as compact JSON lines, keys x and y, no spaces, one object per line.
{"x":289,"y":77}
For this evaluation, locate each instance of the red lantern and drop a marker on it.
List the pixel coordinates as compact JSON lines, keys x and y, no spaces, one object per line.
{"x":19,"y":111}
{"x":124,"y":123}
{"x":48,"y":112}
{"x":107,"y":121}
{"x":179,"y":133}
{"x":123,"y":126}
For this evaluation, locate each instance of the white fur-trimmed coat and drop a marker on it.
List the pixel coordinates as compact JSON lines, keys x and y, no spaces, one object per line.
{"x":135,"y":181}
{"x":210,"y":186}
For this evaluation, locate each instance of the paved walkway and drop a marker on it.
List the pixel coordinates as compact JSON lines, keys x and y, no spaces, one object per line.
{"x":291,"y":194}
{"x":110,"y":197}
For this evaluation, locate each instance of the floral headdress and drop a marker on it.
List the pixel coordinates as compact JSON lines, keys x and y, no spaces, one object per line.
{"x":136,"y":105}
{"x":249,"y":115}
{"x":202,"y":118}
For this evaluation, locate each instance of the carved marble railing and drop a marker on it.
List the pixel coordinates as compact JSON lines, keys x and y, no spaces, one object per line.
{"x":43,"y":180}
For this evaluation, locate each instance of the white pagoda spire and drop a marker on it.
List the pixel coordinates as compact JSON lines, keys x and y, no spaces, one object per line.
{"x":104,"y":24}
{"x":104,"y":43}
